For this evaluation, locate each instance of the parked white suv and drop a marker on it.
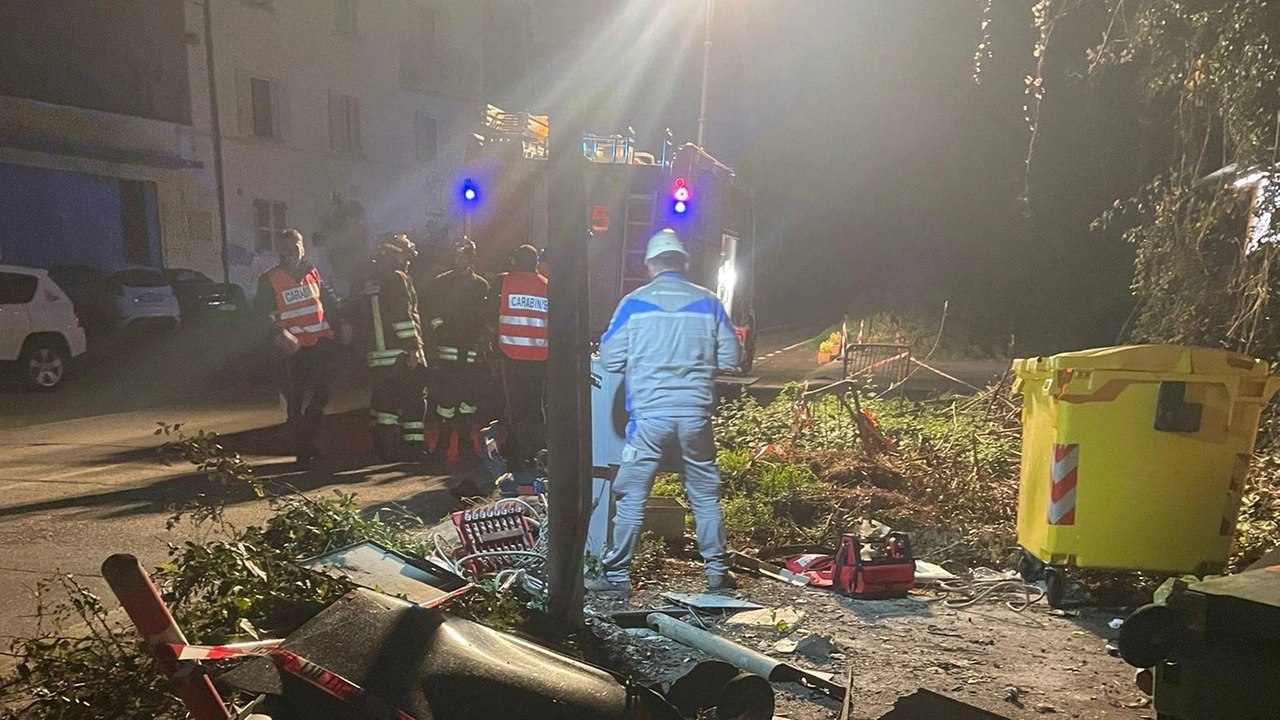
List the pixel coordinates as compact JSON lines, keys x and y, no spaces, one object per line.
{"x":39,"y":331}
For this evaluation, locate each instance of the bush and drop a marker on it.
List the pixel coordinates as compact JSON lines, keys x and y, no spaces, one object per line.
{"x":795,"y":472}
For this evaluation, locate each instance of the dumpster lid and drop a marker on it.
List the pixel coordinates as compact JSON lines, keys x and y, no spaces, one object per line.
{"x":1151,"y":358}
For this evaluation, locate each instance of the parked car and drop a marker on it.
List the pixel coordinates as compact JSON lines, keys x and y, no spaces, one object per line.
{"x":143,"y":296}
{"x":39,"y":330}
{"x":198,"y":293}
{"x":90,"y":290}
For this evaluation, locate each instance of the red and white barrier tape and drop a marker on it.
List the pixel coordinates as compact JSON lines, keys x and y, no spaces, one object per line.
{"x":369,"y":706}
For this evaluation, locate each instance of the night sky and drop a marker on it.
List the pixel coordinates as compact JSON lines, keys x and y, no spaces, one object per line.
{"x":887,"y":178}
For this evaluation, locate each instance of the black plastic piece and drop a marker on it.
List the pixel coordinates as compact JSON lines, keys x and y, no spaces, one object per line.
{"x":1148,"y":636}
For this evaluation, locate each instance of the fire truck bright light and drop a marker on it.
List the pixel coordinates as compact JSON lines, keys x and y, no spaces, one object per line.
{"x":682,"y":194}
{"x":469,"y":191}
{"x":681,"y":207}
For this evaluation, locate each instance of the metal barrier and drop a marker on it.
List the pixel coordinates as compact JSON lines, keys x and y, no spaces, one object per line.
{"x":882,"y":364}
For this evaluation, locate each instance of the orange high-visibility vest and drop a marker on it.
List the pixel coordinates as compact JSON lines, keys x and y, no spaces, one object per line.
{"x":298,"y":306}
{"x":522,"y":316}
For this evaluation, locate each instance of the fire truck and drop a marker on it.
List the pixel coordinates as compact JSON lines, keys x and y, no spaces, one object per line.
{"x":630,"y":195}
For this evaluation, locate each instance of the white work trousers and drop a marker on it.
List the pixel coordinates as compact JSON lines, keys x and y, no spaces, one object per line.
{"x":648,"y":438}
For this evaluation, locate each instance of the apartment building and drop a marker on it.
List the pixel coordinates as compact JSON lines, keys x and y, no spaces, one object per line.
{"x":99,"y":162}
{"x":345,"y":119}
{"x":342,"y":118}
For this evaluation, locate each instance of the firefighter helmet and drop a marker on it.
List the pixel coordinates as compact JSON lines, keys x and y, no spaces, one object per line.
{"x":399,"y":244}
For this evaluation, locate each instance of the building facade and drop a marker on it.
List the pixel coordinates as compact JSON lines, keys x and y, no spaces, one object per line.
{"x":99,"y":162}
{"x":345,"y":119}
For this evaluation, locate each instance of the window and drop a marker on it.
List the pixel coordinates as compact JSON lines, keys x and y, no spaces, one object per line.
{"x":344,"y":123}
{"x":424,"y":133}
{"x":264,"y":124}
{"x":418,"y":53}
{"x":17,"y":288}
{"x":346,"y":18}
{"x":269,"y":218}
{"x":262,"y":106}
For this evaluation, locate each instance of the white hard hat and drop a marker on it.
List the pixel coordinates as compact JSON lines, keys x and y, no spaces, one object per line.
{"x":664,"y":241}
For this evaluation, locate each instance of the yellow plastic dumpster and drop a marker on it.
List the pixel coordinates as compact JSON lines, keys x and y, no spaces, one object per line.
{"x":1134,"y":458}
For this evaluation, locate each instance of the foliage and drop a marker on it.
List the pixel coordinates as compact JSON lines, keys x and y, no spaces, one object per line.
{"x":234,"y":585}
{"x":500,"y":611}
{"x":795,"y":472}
{"x":1213,"y":65}
{"x":225,"y":469}
{"x":81,"y":664}
{"x":648,"y":561}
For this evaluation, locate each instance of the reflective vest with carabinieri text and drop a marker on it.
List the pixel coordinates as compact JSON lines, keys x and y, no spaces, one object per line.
{"x":298,"y":306}
{"x":522,"y":316}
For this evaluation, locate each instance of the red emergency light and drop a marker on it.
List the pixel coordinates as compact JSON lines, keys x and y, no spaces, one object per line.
{"x":681,"y":194}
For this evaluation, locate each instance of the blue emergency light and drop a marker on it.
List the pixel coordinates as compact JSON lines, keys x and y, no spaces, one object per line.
{"x":680,"y":193}
{"x":469,"y":192}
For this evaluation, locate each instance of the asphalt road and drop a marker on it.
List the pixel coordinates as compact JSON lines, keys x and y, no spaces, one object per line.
{"x":783,"y":355}
{"x":81,"y":478}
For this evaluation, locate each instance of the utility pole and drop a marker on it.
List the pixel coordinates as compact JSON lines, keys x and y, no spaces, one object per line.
{"x":215,"y":133}
{"x":568,"y":375}
{"x":706,"y":71}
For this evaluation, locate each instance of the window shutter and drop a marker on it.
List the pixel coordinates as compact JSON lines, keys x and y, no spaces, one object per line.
{"x":335,"y":121}
{"x":280,"y":106}
{"x":244,"y":103}
{"x":357,"y":144}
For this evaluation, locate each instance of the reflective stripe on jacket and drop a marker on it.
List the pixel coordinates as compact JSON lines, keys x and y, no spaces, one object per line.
{"x":393,"y":304}
{"x":298,"y":306}
{"x":670,"y":337}
{"x":522,"y":316}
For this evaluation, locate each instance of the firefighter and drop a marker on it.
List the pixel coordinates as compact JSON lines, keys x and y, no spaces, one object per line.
{"x":296,"y":301}
{"x":457,"y":302}
{"x":398,"y":359}
{"x":521,"y":300}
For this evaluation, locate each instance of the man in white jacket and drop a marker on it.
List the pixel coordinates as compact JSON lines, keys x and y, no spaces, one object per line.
{"x":669,"y":338}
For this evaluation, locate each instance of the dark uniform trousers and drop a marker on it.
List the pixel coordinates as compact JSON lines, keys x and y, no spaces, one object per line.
{"x":398,"y":409}
{"x":524,"y":383}
{"x":304,"y":379}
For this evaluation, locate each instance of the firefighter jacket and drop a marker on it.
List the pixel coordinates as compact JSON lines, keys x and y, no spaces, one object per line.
{"x":522,"y":316}
{"x":670,"y":338}
{"x":393,"y":309}
{"x":457,"y":303}
{"x":297,"y":301}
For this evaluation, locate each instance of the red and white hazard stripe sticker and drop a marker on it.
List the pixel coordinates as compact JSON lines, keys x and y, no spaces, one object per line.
{"x":1062,"y":495}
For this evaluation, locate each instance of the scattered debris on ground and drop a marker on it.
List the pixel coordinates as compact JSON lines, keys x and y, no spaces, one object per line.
{"x":981,"y":655}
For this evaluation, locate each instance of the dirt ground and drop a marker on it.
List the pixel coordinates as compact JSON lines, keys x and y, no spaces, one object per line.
{"x":1029,"y":664}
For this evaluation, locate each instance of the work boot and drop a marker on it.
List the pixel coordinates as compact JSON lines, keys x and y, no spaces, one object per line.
{"x":438,"y":458}
{"x":413,"y":452}
{"x":386,"y":440}
{"x":717,"y":584}
{"x":608,"y":588}
{"x":468,"y":456}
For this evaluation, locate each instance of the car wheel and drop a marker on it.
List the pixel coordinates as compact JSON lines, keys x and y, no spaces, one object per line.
{"x":44,"y":364}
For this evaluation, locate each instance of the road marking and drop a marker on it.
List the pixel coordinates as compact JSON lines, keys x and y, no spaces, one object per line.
{"x":45,"y":572}
{"x":17,"y":482}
